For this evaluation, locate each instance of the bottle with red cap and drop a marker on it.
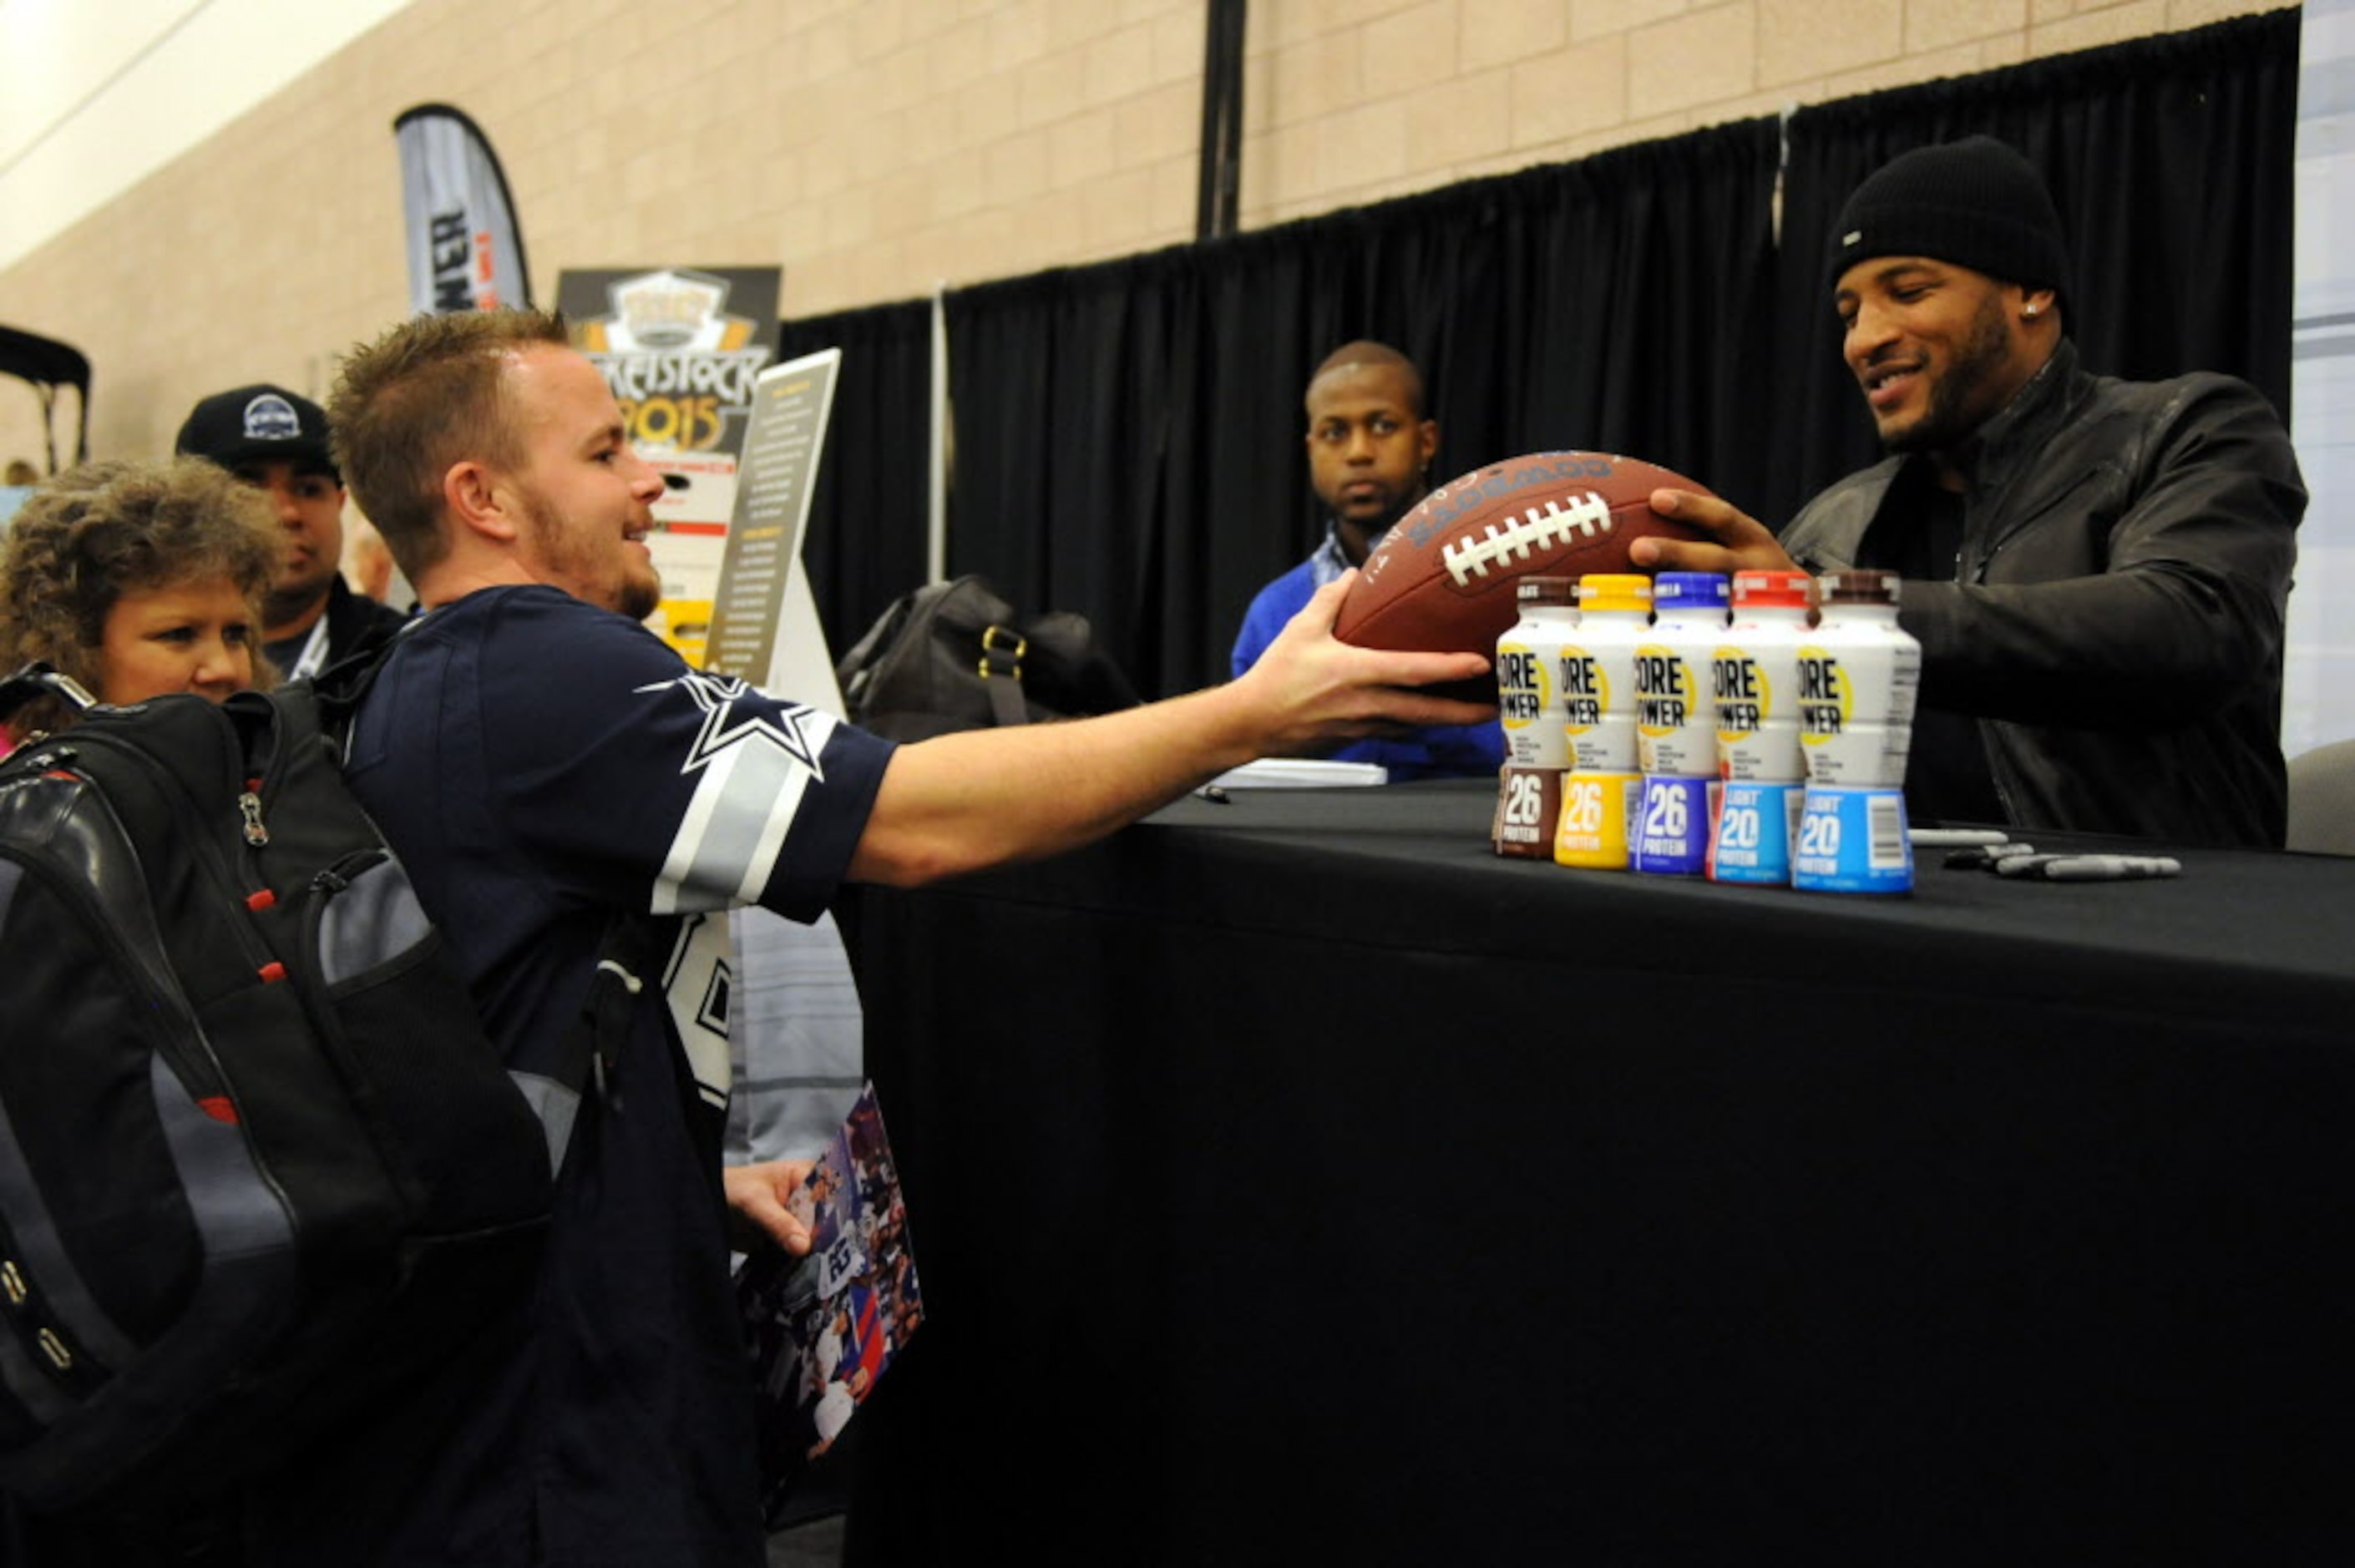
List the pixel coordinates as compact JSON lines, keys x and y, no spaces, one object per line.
{"x":1754,"y":683}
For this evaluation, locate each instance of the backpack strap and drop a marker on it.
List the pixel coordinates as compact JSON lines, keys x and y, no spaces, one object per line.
{"x":629,"y":957}
{"x":41,"y":679}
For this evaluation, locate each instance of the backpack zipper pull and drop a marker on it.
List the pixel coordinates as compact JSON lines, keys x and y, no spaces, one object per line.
{"x":248,"y":806}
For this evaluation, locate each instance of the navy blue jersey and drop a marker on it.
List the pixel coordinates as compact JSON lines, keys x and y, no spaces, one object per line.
{"x":540,"y":763}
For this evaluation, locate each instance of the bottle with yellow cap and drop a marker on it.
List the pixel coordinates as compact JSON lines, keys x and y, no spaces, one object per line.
{"x":1599,"y":797}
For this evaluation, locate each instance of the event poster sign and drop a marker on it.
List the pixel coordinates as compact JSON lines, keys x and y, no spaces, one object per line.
{"x":682,"y":349}
{"x":760,"y":605}
{"x":822,"y":1329}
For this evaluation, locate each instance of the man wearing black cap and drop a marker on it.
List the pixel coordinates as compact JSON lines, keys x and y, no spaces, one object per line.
{"x":2097,"y":569}
{"x":277,"y":442}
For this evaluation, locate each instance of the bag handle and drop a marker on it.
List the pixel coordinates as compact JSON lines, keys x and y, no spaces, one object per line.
{"x":1003,"y":650}
{"x":41,"y":679}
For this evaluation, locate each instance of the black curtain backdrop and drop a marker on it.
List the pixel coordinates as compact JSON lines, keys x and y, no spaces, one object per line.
{"x":865,"y":545}
{"x":2171,"y":162}
{"x":1128,"y":434}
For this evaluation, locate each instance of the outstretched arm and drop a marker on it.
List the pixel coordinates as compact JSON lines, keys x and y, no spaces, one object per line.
{"x":981,"y":798}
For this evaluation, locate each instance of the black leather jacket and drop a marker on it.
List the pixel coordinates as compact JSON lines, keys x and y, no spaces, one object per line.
{"x":2114,"y":622}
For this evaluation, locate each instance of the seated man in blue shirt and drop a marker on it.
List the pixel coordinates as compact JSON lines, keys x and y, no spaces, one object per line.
{"x":1370,"y":450}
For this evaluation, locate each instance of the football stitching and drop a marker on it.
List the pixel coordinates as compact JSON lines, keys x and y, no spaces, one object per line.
{"x":1467,"y":557}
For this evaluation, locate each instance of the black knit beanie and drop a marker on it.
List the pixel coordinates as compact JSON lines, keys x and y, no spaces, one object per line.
{"x":1975,"y":202}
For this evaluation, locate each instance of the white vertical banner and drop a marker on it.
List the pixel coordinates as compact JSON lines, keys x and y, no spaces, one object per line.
{"x":2318,"y":675}
{"x":466,"y":249}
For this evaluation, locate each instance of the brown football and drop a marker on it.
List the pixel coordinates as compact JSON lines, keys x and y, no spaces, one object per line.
{"x":1445,"y":579}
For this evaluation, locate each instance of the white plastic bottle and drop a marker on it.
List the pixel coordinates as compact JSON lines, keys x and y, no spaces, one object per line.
{"x":1598,"y":684}
{"x":1858,"y":675}
{"x":1754,"y":683}
{"x":1675,"y":723}
{"x":1528,"y":704}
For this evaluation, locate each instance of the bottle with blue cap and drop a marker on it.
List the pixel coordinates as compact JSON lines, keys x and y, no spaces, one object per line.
{"x":1675,"y":724}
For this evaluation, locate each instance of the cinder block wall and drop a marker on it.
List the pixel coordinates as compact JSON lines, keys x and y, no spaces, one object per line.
{"x":874,"y":147}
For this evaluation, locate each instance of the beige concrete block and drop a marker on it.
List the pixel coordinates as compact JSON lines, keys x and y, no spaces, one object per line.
{"x":645,"y":175}
{"x":1454,"y":122}
{"x":2184,"y":14}
{"x":1499,"y":35}
{"x":1016,"y":33}
{"x":805,"y":13}
{"x":957,"y":254}
{"x":849,"y":215}
{"x":1177,"y":199}
{"x":987,"y":110}
{"x":1801,"y":38}
{"x":1697,"y":59}
{"x":1963,"y":60}
{"x":1573,"y":90}
{"x":1591,"y":19}
{"x":1047,"y":228}
{"x":896,"y":81}
{"x":1051,"y":87}
{"x":828,"y":167}
{"x":905,"y":199}
{"x":1283,"y":166}
{"x":1362,"y":145}
{"x":838,"y":279}
{"x":1119,"y":65}
{"x":1411,"y":50}
{"x":1181,"y":44}
{"x":1750,"y":106}
{"x":1115,"y":208}
{"x":870,"y":150}
{"x":824,"y":51}
{"x":1934,"y":25}
{"x":2051,"y":10}
{"x":1279,"y":24}
{"x":2091,"y":29}
{"x":1650,"y":129}
{"x":1308,"y":80}
{"x":1072,"y":22}
{"x":2008,"y":50}
{"x":1163,"y":123}
{"x":1079,"y":148}
{"x":929,"y":131}
{"x":1014,"y":168}
{"x":955,"y":56}
{"x":880,"y":29}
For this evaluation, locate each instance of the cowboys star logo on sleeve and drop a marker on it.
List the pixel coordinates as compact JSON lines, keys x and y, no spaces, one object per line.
{"x":754,"y":756}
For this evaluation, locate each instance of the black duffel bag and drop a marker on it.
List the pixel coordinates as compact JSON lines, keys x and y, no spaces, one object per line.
{"x":955,"y":656}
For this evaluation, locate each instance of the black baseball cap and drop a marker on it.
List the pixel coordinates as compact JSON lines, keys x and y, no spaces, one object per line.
{"x":256,"y":424}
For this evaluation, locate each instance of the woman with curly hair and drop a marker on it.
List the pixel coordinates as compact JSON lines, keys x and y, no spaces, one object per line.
{"x":137,"y":579}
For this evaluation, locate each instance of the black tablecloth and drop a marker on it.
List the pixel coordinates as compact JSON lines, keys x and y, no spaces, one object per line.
{"x":1295,"y":1179}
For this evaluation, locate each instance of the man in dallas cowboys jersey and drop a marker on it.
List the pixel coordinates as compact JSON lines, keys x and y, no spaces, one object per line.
{"x":540,"y":760}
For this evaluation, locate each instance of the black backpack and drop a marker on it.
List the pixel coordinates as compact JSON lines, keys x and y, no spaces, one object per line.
{"x":955,"y":655}
{"x":259,"y":1160}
